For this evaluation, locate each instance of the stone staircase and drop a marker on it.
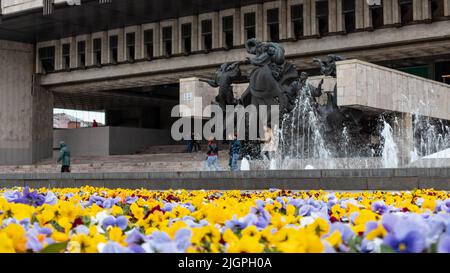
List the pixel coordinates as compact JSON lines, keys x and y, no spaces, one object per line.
{"x":170,"y":161}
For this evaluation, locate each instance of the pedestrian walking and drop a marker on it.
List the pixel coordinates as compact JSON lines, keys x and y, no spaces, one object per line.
{"x":235,"y":152}
{"x":64,"y":157}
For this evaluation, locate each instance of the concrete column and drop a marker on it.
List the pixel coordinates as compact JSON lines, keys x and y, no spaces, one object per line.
{"x":283,"y":19}
{"x":332,"y":16}
{"x":259,"y":22}
{"x":105,"y":48}
{"x":426,"y":10}
{"x":395,"y":12}
{"x":447,"y":7}
{"x":156,"y":40}
{"x":26,"y":109}
{"x":387,"y":12}
{"x":403,"y":136}
{"x":314,"y":23}
{"x":307,"y":18}
{"x":237,"y":27}
{"x":359,"y":14}
{"x":73,"y":52}
{"x":339,"y":17}
{"x":89,"y":51}
{"x":417,"y":9}
{"x":121,"y":45}
{"x":367,"y":16}
{"x":139,"y":43}
{"x":58,"y":55}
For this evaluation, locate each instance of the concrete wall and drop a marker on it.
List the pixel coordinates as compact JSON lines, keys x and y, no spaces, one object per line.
{"x":103,"y":141}
{"x":26,"y":109}
{"x":12,"y":6}
{"x":130,"y":140}
{"x":191,"y":89}
{"x":368,"y":179}
{"x":367,"y":86}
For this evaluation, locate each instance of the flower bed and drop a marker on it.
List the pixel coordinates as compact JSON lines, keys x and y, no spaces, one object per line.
{"x":103,"y":220}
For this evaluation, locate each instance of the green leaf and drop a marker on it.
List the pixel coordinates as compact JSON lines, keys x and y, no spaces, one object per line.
{"x":386,"y":249}
{"x":55,"y":248}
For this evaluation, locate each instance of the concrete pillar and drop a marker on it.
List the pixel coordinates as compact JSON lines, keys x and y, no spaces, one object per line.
{"x":58,"y":55}
{"x":339,"y":17}
{"x":26,"y":109}
{"x":387,"y":12}
{"x":447,"y":7}
{"x":89,"y":51}
{"x":307,"y":18}
{"x":417,"y":10}
{"x":395,"y":12}
{"x":105,"y":49}
{"x":259,"y":22}
{"x":237,"y":27}
{"x":426,"y":9}
{"x":332,"y":16}
{"x":404,"y":137}
{"x":367,"y":16}
{"x":138,"y":48}
{"x":121,"y":45}
{"x":73,"y":52}
{"x":283,"y":19}
{"x":314,"y":22}
{"x":359,"y":14}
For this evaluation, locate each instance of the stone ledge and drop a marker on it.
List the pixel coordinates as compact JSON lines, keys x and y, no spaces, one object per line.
{"x":364,"y":179}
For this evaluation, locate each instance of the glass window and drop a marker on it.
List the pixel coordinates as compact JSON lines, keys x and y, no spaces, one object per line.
{"x":97,"y":49}
{"x":250,"y":25}
{"x":273,"y":25}
{"x":81,"y":49}
{"x":227,"y":25}
{"x":297,"y":21}
{"x":377,"y":15}
{"x":131,"y":46}
{"x":167,"y":40}
{"x":348,"y":10}
{"x":322,"y":16}
{"x":207,"y":34}
{"x":47,"y":58}
{"x":406,"y":11}
{"x":66,"y":56}
{"x":186,"y":37}
{"x":148,"y":43}
{"x":113,"y":49}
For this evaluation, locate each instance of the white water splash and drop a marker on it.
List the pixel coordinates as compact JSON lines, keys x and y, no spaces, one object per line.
{"x":390,"y":149}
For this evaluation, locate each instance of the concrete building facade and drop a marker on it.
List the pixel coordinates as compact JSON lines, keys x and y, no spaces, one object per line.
{"x":126,"y":57}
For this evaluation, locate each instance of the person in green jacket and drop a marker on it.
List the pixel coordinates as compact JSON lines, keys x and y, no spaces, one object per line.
{"x":64,"y":157}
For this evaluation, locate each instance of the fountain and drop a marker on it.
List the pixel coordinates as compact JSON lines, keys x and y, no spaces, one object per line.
{"x":317,"y":133}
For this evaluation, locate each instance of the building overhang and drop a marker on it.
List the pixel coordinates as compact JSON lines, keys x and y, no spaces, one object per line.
{"x":32,"y":26}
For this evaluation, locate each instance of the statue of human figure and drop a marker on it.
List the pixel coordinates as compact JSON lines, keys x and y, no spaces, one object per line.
{"x":302,"y":86}
{"x":271,"y":78}
{"x":224,"y":78}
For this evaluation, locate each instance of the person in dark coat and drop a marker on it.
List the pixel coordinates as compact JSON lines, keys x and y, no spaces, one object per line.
{"x":64,"y":157}
{"x":235,"y":151}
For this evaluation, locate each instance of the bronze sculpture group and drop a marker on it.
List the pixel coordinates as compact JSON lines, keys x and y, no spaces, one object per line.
{"x":275,"y":81}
